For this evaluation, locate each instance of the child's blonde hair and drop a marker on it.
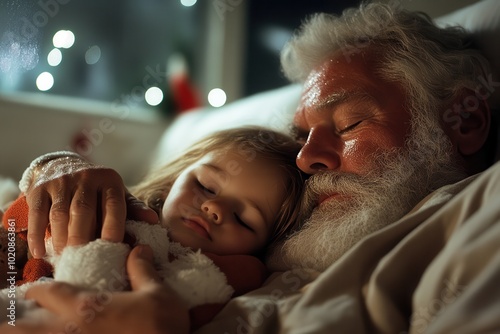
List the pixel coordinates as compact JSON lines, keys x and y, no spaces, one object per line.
{"x":250,"y":143}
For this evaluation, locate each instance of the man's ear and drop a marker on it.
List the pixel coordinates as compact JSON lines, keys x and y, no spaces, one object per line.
{"x":467,"y":122}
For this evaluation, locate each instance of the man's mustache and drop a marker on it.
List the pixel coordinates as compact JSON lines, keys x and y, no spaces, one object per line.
{"x":330,"y":182}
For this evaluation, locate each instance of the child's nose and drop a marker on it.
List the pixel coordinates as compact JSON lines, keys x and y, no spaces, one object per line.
{"x":213,"y":211}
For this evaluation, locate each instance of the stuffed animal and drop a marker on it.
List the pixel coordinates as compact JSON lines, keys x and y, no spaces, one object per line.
{"x":100,"y":265}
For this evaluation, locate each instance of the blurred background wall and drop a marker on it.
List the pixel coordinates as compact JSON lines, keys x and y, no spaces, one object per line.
{"x":104,"y":78}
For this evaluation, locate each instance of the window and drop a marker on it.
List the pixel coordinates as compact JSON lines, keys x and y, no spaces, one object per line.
{"x":113,"y":50}
{"x":117,"y":50}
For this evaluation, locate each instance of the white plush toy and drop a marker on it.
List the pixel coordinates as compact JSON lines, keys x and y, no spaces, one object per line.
{"x":101,"y":265}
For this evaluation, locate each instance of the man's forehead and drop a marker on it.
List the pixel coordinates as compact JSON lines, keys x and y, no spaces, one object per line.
{"x":331,"y":80}
{"x":338,"y":78}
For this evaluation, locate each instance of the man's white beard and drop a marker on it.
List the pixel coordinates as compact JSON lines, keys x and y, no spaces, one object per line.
{"x":366,"y":203}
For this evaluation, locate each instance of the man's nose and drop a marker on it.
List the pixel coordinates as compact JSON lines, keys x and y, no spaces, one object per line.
{"x":319,"y":152}
{"x":213,"y":210}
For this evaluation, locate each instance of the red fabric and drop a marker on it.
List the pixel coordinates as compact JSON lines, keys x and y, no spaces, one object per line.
{"x":34,"y":269}
{"x":18,"y":212}
{"x":184,"y":93}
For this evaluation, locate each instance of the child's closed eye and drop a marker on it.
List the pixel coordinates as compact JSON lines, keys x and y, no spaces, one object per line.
{"x":206,"y":189}
{"x":242,"y":223}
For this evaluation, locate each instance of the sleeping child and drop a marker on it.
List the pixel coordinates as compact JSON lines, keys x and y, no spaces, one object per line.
{"x":220,"y":204}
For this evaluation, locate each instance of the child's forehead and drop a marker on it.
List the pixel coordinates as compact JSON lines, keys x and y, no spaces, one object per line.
{"x":231,"y":166}
{"x":233,"y":156}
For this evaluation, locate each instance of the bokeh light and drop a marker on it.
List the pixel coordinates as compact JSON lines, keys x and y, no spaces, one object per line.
{"x":188,"y":3}
{"x":44,"y":81}
{"x":217,"y":97}
{"x":63,"y":39}
{"x":55,"y":57}
{"x":153,"y":96}
{"x":93,"y":55}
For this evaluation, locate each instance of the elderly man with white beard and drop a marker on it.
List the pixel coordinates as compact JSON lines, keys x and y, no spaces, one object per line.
{"x":375,"y":124}
{"x":366,"y":175}
{"x":402,"y":212}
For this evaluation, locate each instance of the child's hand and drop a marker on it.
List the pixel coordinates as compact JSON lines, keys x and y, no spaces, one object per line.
{"x":75,"y":203}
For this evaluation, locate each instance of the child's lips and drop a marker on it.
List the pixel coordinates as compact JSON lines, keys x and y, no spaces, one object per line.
{"x":198,"y":225}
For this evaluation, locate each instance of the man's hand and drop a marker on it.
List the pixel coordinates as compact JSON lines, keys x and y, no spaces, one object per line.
{"x":73,"y":204}
{"x":80,"y":204}
{"x":150,"y":308}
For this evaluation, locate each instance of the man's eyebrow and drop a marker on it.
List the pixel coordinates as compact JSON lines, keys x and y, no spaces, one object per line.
{"x":297,"y":133}
{"x":328,"y":103}
{"x":337,"y":98}
{"x":293,"y":130}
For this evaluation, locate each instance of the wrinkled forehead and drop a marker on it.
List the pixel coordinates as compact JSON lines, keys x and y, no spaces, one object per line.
{"x":342,"y":75}
{"x":341,"y":72}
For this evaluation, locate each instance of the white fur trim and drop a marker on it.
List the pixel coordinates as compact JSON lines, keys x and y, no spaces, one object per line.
{"x":193,"y":275}
{"x":27,"y":177}
{"x":197,"y":280}
{"x":101,"y":264}
{"x":153,"y":235}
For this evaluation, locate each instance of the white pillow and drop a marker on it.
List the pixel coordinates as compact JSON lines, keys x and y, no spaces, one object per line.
{"x":482,"y":20}
{"x":275,"y":108}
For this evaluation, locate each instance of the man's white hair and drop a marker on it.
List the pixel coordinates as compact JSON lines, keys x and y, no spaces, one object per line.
{"x":433,"y":64}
